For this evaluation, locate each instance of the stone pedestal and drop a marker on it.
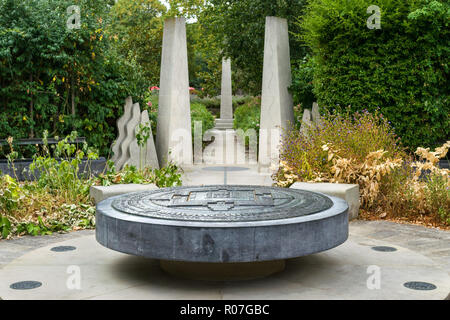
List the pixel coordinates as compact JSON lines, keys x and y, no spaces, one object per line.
{"x":226,"y":98}
{"x":173,"y":137}
{"x":276,"y":101}
{"x":223,"y":124}
{"x":222,"y":271}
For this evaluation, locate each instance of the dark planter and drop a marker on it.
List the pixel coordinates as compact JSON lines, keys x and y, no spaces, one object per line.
{"x":97,"y":167}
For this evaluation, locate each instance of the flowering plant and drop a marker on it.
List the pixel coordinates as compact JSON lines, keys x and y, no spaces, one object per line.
{"x":363,"y":149}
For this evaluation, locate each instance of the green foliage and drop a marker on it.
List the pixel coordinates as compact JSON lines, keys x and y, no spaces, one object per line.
{"x":237,"y":27}
{"x":169,"y":176}
{"x":213,"y":104}
{"x":209,"y":103}
{"x":5,"y":227}
{"x":142,"y":135}
{"x":302,"y":83}
{"x":60,"y":173}
{"x":74,"y":217}
{"x":139,"y":28}
{"x":59,"y":79}
{"x":437,"y":195}
{"x":57,"y":201}
{"x":199,"y":112}
{"x":401,"y":68}
{"x":10,"y":193}
{"x":354,"y":135}
{"x":240,"y":100}
{"x":247,"y":116}
{"x":39,"y":228}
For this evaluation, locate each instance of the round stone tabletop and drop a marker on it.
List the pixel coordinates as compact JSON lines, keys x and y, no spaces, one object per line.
{"x":223,"y":203}
{"x":222,"y":223}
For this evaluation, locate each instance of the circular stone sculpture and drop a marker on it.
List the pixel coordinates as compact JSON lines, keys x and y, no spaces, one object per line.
{"x":219,"y":231}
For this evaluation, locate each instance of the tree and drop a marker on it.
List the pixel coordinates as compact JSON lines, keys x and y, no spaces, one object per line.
{"x":139,"y":26}
{"x":56,"y":78}
{"x":237,"y":27}
{"x":401,"y":68}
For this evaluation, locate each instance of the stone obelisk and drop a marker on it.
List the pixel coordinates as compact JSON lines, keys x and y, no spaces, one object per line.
{"x":173,"y":137}
{"x":276,"y":101}
{"x":226,"y":98}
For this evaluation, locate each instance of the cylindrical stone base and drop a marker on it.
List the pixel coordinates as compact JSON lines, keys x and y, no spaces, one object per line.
{"x":222,"y":271}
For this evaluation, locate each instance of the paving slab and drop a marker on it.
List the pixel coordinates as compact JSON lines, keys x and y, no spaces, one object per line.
{"x":339,"y":273}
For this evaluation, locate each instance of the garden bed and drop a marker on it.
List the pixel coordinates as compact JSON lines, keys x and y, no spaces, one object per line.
{"x":362,"y":148}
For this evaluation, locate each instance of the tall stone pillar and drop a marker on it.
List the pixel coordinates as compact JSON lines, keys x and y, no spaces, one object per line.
{"x":276,"y":102}
{"x":226,"y":98}
{"x":173,"y":137}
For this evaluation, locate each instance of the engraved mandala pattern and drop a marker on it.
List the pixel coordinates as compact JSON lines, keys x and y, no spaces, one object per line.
{"x":222,"y":203}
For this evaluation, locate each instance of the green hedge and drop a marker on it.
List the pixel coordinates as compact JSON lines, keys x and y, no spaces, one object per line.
{"x":401,"y":68}
{"x":247,"y":116}
{"x":199,"y":112}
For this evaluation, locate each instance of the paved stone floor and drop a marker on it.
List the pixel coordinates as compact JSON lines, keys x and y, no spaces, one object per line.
{"x":421,"y":254}
{"x":341,"y":273}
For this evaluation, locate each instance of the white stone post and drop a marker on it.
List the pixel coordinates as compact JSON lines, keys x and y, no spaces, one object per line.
{"x":276,"y":102}
{"x":226,"y":98}
{"x":173,"y":137}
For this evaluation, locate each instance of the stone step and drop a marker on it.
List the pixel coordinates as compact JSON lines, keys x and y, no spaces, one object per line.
{"x":228,"y":121}
{"x":224,"y":124}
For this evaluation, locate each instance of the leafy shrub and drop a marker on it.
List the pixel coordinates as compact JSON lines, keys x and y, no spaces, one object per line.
{"x":58,"y":199}
{"x":36,"y":211}
{"x":5,"y":227}
{"x":209,"y":103}
{"x":401,"y":68}
{"x":213,"y":104}
{"x":302,"y":82}
{"x":60,"y":173}
{"x":199,"y":112}
{"x":247,"y":116}
{"x":354,"y":136}
{"x":240,"y":100}
{"x":151,"y":99}
{"x":419,"y":188}
{"x":10,"y":193}
{"x":363,"y":149}
{"x":169,"y":176}
{"x":75,"y":79}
